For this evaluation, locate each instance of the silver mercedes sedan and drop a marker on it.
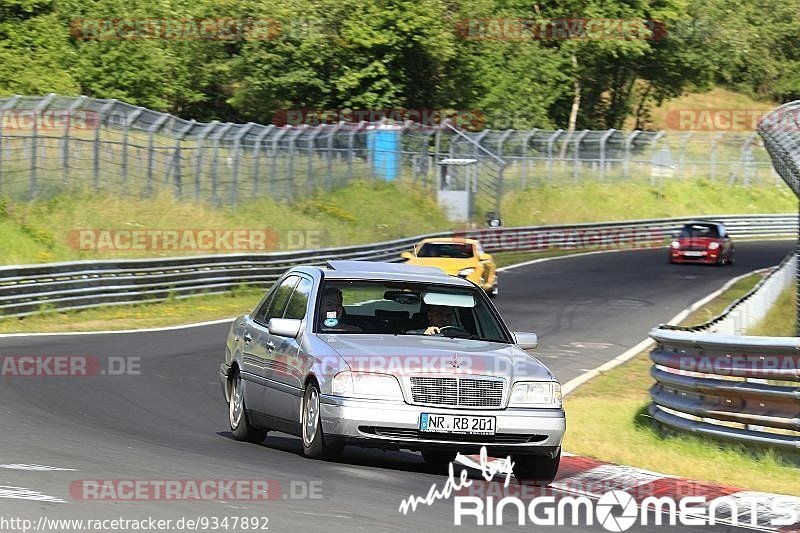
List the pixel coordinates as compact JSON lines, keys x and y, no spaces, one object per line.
{"x":393,"y":356}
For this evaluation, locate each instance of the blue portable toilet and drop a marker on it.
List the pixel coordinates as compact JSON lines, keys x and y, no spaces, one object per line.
{"x":383,"y":142}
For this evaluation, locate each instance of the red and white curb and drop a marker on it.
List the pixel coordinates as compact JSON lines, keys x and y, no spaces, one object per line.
{"x":591,"y":478}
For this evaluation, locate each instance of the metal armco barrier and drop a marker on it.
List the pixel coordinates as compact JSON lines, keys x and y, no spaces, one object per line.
{"x":726,"y":386}
{"x":696,"y":375}
{"x":30,"y":289}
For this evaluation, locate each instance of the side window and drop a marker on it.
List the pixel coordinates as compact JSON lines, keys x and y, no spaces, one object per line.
{"x":273,"y":308}
{"x":299,"y":301}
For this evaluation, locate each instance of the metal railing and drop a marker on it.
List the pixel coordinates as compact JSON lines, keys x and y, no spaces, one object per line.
{"x":31,"y":289}
{"x":711,"y":382}
{"x":780,"y":131}
{"x":52,"y":143}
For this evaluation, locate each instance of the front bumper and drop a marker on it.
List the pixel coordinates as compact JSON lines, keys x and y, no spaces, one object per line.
{"x":224,"y":368}
{"x":394,"y":425}
{"x":679,"y":256}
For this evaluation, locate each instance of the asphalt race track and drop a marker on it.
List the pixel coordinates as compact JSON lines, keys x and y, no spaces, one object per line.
{"x":170,"y":422}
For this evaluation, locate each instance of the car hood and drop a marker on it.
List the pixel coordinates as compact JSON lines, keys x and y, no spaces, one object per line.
{"x":697,"y":242}
{"x":417,"y":354}
{"x":451,"y":265}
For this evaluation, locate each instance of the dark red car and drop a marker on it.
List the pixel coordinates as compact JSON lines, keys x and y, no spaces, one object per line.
{"x":702,"y":242}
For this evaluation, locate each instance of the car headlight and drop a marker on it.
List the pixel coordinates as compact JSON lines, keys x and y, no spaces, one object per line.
{"x":713,"y":245}
{"x":366,"y":385}
{"x":536,"y":394}
{"x":676,"y":244}
{"x":466,"y":271}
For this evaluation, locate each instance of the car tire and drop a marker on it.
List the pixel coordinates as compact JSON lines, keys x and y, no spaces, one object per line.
{"x":494,"y":291}
{"x":315,"y":444}
{"x":241,"y":427}
{"x":438,"y":457}
{"x":539,"y":470}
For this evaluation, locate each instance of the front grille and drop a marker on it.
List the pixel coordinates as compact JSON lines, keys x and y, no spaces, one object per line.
{"x":457,"y":392}
{"x":413,"y":434}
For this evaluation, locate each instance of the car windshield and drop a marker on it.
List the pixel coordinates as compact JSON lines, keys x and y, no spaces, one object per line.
{"x":406,"y":308}
{"x":445,"y":249}
{"x":691,"y":231}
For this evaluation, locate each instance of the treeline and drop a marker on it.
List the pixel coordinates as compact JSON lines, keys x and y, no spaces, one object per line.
{"x":521,"y":64}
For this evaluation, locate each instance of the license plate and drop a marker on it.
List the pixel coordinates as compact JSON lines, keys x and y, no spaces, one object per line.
{"x":468,"y":425}
{"x":693,"y":254}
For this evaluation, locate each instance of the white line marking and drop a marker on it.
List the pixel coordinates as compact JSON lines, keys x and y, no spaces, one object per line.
{"x":36,"y":468}
{"x":21,"y":493}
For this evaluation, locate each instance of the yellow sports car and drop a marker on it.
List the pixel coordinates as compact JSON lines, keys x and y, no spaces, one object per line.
{"x":458,"y":257}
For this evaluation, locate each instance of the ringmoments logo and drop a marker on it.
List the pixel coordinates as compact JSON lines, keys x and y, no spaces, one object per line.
{"x":615,"y":510}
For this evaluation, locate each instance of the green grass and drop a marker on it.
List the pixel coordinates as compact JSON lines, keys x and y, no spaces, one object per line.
{"x":40,"y":231}
{"x":716,"y":306}
{"x":361,"y":212}
{"x":717,"y":99}
{"x":596,"y":201}
{"x":781,"y":318}
{"x":611,"y":409}
{"x":146,"y":315}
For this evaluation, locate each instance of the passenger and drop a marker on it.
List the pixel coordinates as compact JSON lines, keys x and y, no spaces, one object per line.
{"x":332,"y":313}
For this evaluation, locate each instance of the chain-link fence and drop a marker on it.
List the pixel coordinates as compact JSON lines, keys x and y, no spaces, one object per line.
{"x":52,"y":143}
{"x":780,"y":131}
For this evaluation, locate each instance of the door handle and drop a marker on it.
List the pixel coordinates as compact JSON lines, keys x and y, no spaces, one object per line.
{"x":247,"y":338}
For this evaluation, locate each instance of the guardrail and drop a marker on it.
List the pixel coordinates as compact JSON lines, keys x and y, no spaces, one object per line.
{"x":31,"y":289}
{"x":731,"y":387}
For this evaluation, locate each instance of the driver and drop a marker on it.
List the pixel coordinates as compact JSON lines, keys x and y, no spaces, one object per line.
{"x":332,"y":312}
{"x":439,"y":316}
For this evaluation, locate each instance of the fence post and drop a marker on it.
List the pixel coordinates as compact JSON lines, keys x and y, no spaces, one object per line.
{"x":274,"y":165}
{"x":603,"y":141}
{"x":237,"y":147}
{"x":257,"y":159}
{"x":215,"y":161}
{"x":334,"y":129}
{"x":525,"y":160}
{"x":576,"y":156}
{"x":96,"y":146}
{"x":65,"y":139}
{"x":151,"y":150}
{"x":310,"y":146}
{"x":714,"y":142}
{"x":126,"y":133}
{"x":176,"y":157}
{"x":35,"y":140}
{"x":292,"y":145}
{"x":550,"y":142}
{"x":682,"y":159}
{"x":626,"y":162}
{"x":211,"y":126}
{"x":8,"y":104}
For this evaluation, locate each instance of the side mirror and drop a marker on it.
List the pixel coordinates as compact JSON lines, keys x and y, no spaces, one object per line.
{"x":525,"y":340}
{"x":407,"y":255}
{"x":284,"y":327}
{"x":484,"y":257}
